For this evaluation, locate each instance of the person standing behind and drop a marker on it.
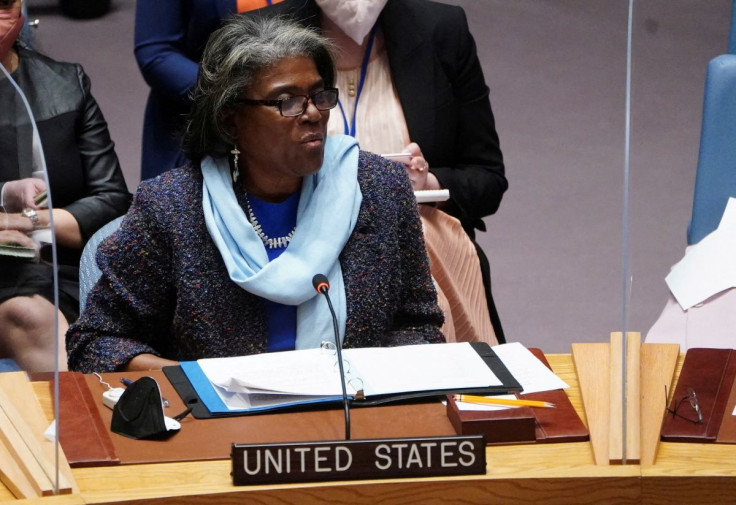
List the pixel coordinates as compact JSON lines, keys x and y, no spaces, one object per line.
{"x":410,"y":80}
{"x":169,"y":38}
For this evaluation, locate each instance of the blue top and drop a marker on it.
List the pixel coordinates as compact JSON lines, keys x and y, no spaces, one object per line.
{"x":277,"y":220}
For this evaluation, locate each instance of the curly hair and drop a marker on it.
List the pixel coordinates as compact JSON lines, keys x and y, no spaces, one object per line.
{"x":234,"y":56}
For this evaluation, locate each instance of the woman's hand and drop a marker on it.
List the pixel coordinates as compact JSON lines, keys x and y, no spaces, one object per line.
{"x":418,"y":170}
{"x":16,"y":237}
{"x":15,"y":222}
{"x":18,"y":195}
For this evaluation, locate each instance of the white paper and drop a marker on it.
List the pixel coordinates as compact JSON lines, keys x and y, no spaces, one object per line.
{"x":531,"y":373}
{"x":708,"y":266}
{"x":420,"y":368}
{"x":308,"y":372}
{"x":432,"y":195}
{"x":245,"y":382}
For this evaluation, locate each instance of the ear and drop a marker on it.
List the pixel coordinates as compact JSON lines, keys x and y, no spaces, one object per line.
{"x":229,"y":122}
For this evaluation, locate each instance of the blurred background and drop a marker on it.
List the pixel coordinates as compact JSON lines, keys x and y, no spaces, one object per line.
{"x":557,"y":74}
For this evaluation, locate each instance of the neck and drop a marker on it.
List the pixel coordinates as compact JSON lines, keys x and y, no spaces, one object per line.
{"x":10,"y":61}
{"x":274,"y":191}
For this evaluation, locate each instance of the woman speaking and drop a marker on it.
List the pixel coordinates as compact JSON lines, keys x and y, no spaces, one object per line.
{"x":217,"y":258}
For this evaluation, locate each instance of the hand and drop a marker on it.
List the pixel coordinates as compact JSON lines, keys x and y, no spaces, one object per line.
{"x":147,"y":361}
{"x":15,"y":222}
{"x":18,"y":195}
{"x":418,"y":170}
{"x":16,"y":237}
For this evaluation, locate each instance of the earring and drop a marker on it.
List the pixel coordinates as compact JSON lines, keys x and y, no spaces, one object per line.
{"x":236,"y":172}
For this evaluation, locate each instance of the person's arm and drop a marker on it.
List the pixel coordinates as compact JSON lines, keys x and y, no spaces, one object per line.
{"x":418,"y":318}
{"x":160,"y":33}
{"x":130,"y":310}
{"x":106,"y":193}
{"x":66,"y":228}
{"x":145,"y":362}
{"x":464,"y":153}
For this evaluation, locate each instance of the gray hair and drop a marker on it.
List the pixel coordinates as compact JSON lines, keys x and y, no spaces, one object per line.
{"x":234,"y":56}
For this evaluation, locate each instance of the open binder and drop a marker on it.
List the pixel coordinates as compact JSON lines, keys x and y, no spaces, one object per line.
{"x":197,"y":391}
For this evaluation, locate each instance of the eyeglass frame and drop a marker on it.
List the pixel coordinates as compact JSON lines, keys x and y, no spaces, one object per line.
{"x":692,"y":398}
{"x":280,"y":102}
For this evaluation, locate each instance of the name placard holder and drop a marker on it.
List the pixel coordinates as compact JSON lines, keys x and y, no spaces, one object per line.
{"x":358,"y":459}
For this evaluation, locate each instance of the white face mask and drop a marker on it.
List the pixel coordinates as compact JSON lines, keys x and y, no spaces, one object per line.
{"x":354,"y":17}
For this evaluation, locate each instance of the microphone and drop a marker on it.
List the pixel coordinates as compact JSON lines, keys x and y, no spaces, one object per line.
{"x":322,"y":285}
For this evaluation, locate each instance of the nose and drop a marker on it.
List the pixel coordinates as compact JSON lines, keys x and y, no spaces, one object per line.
{"x":311,"y":113}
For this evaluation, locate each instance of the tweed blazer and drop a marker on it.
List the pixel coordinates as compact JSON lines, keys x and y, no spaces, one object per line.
{"x":165,"y":289}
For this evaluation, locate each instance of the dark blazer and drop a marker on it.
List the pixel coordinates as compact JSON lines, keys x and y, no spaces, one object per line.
{"x":445,"y":100}
{"x":83,"y":170}
{"x":165,"y":288}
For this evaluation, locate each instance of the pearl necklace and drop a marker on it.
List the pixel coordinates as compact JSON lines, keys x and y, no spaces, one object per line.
{"x":271,"y":243}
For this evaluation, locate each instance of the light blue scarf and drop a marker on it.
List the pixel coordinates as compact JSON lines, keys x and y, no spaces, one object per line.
{"x":327,"y":213}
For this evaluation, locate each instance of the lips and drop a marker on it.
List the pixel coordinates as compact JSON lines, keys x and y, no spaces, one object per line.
{"x":313,"y":139}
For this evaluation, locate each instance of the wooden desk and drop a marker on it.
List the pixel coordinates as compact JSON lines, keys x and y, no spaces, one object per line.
{"x":552,"y":474}
{"x":690,"y":473}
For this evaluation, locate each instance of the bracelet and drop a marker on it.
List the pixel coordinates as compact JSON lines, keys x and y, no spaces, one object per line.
{"x":33,"y":216}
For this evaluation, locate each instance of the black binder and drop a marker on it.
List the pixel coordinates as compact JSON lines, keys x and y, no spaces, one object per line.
{"x":509,"y":384}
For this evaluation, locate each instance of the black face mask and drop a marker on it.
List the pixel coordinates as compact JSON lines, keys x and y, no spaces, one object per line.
{"x":139,"y":413}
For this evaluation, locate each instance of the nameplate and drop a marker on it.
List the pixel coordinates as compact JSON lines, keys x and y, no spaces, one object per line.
{"x":358,"y":459}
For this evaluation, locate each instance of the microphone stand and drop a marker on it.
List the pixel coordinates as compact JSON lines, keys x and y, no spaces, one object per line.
{"x":322,"y":287}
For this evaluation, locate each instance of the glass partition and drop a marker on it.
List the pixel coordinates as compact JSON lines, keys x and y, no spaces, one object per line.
{"x":673,"y":42}
{"x":592,"y":221}
{"x":28,"y":275}
{"x":557,"y":73}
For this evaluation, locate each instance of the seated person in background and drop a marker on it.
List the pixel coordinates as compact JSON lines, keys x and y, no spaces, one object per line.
{"x":216,"y":258}
{"x":86,"y":185}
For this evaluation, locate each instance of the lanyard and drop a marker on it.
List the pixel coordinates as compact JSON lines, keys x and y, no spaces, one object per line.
{"x":251,"y":5}
{"x":363,"y":71}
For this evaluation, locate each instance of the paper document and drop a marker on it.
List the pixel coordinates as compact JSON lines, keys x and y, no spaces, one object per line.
{"x":432,"y":195}
{"x":708,"y":266}
{"x":531,"y":373}
{"x":294,"y":377}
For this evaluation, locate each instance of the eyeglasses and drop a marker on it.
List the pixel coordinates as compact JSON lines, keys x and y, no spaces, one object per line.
{"x":690,"y":398}
{"x":296,"y":105}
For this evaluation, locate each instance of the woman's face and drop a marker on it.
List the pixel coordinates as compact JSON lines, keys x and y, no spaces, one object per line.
{"x":9,"y":17}
{"x":277,"y":151}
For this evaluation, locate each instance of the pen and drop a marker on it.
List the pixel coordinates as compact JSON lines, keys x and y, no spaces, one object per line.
{"x":503,"y":401}
{"x":128,"y":382}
